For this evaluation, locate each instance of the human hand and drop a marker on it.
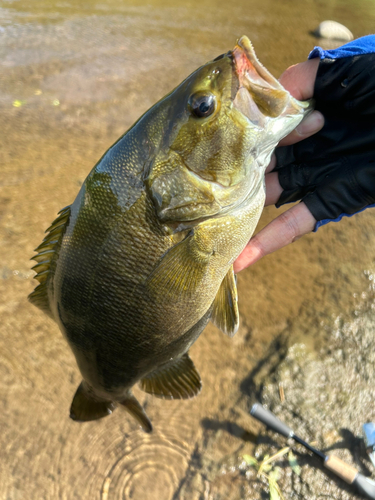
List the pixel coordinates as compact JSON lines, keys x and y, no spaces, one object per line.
{"x":299,"y":80}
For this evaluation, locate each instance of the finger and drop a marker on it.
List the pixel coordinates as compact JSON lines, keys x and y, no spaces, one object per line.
{"x":309,"y":126}
{"x":285,"y":229}
{"x":273,"y":188}
{"x":299,"y":79}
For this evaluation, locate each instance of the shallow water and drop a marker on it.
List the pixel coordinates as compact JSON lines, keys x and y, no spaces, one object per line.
{"x":73,"y":77}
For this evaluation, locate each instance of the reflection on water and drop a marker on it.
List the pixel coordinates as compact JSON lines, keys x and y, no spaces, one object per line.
{"x":73,"y":77}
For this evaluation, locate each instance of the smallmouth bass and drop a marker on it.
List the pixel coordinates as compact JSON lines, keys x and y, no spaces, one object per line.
{"x":141,"y":261}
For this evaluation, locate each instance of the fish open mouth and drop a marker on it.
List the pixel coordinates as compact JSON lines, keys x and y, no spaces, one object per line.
{"x":260,"y":95}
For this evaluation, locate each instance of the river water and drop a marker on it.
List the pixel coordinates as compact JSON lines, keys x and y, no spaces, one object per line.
{"x":74,"y":75}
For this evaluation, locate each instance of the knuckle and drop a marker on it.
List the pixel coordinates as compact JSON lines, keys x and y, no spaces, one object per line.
{"x":257,"y":244}
{"x":291,"y":225}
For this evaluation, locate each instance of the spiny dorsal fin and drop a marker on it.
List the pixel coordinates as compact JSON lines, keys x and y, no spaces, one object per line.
{"x":225,"y":312}
{"x":177,"y":380}
{"x":46,"y":259}
{"x":85,"y":407}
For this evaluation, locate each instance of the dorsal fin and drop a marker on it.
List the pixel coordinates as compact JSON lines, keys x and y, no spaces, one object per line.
{"x":176,"y":380}
{"x":46,"y":259}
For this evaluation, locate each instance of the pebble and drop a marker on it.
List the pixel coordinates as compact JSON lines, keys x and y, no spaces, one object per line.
{"x":332,"y":30}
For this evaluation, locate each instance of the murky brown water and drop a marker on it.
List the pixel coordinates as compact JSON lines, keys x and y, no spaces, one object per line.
{"x":74,"y":75}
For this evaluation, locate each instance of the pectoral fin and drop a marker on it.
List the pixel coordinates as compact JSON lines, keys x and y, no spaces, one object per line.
{"x":225,"y":311}
{"x":86,"y":407}
{"x":177,"y":380}
{"x":181,"y":270}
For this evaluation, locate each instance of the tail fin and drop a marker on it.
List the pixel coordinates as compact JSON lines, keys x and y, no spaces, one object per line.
{"x":133,"y":407}
{"x":85,"y":407}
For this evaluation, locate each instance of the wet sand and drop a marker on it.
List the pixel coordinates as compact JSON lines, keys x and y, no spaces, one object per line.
{"x":73,"y":78}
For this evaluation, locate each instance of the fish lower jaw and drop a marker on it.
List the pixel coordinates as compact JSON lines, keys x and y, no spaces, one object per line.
{"x":263,"y":160}
{"x":189,"y":212}
{"x":285,"y":125}
{"x":256,"y":195}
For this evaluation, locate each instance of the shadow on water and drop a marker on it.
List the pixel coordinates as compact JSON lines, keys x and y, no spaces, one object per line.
{"x":276,"y":353}
{"x":230,"y":427}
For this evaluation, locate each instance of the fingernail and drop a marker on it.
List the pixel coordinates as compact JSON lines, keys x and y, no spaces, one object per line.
{"x":311,"y":124}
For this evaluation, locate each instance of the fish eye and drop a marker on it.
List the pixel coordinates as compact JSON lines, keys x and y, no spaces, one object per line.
{"x":202,"y":105}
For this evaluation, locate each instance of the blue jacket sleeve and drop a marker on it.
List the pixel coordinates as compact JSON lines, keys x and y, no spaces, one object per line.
{"x":361,"y":46}
{"x":333,"y":172}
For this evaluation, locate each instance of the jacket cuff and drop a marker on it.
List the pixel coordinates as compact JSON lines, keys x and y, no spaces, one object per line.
{"x":364,"y":45}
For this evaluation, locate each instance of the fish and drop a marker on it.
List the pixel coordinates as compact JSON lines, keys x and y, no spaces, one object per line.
{"x":135,"y":268}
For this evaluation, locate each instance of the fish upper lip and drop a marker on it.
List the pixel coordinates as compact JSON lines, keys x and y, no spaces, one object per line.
{"x":249,"y":68}
{"x":265,"y":91}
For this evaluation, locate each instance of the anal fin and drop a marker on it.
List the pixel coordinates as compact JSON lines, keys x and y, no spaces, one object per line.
{"x":86,"y":407}
{"x":225,"y":313}
{"x":177,"y":380}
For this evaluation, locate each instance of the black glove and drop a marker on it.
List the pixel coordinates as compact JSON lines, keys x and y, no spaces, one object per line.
{"x":333,"y":171}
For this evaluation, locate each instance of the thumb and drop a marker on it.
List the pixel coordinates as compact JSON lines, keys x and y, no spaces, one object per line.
{"x":299,"y":79}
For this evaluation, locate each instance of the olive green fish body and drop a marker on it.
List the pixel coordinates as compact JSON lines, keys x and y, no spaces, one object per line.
{"x":135,"y":268}
{"x":110,"y":313}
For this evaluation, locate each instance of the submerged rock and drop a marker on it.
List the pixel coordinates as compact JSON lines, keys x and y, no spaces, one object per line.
{"x":332,"y":30}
